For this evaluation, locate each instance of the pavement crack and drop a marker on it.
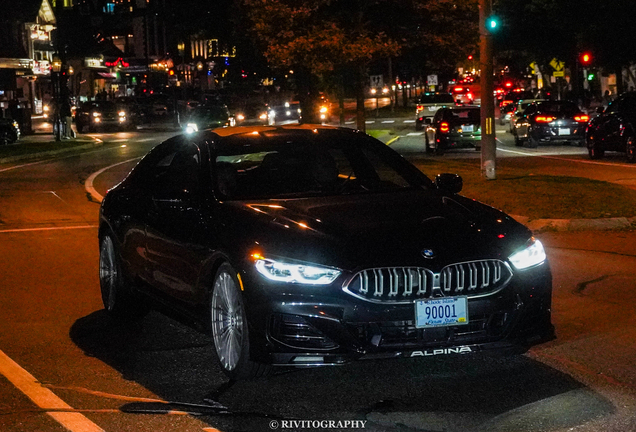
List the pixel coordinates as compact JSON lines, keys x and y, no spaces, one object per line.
{"x":581,"y":286}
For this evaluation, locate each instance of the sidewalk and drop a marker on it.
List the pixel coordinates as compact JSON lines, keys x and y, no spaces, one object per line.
{"x":41,"y":144}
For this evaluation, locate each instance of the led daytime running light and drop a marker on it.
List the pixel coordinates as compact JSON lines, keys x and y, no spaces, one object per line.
{"x":295,"y":273}
{"x":532,"y":255}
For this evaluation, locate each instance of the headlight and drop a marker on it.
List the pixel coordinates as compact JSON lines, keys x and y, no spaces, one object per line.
{"x":240,"y":117}
{"x":191,"y":128}
{"x":323,"y":109}
{"x":532,"y":255}
{"x":122,"y":113}
{"x":263,"y":116}
{"x":96,"y":114}
{"x":296,"y":273}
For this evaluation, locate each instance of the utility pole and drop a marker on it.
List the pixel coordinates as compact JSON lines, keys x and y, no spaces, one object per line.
{"x":488,"y":142}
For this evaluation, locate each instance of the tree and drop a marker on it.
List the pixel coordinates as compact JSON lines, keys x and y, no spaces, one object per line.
{"x":318,"y":38}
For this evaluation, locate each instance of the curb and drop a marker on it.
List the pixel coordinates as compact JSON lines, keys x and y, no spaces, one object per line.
{"x":38,"y":155}
{"x":561,"y":225}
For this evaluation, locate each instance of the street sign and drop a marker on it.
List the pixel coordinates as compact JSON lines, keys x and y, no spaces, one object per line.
{"x":376,"y":81}
{"x":557,"y":65}
{"x":558,"y":73}
{"x":431,"y":80}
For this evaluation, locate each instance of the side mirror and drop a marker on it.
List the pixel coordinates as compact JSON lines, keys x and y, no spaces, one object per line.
{"x":447,"y":182}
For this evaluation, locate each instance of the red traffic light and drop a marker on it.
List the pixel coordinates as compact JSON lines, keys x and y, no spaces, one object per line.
{"x":586,"y":58}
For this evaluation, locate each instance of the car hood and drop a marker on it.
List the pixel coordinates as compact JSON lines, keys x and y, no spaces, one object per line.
{"x":378,"y":229}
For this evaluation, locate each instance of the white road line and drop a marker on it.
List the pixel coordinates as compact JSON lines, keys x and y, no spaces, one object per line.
{"x":369,"y":121}
{"x":409,"y":121}
{"x":45,"y":398}
{"x":47,"y":228}
{"x":88,"y":185}
{"x":349,"y":122}
{"x":388,"y":121}
{"x":415,"y":134}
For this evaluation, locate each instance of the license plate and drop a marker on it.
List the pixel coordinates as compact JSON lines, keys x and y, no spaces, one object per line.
{"x":468,"y":128}
{"x":440,"y":312}
{"x":564,"y":131}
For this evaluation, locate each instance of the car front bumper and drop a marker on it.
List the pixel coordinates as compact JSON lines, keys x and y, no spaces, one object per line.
{"x":292,"y":329}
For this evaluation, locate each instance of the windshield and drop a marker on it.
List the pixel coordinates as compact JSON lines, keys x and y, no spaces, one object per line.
{"x":219,"y":113}
{"x":302,"y":169}
{"x":437,"y":98}
{"x":555,"y":107}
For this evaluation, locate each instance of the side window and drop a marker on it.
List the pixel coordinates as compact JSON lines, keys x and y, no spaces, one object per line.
{"x":181,"y":170}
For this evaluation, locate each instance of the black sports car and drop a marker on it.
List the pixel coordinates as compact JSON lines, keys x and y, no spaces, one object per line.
{"x":550,"y":122}
{"x":614,"y":129}
{"x":306,"y":245}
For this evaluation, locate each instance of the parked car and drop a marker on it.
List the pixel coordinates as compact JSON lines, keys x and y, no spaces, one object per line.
{"x":101,"y":115}
{"x":551,"y":122}
{"x":307,"y":246}
{"x":614,"y":129}
{"x":456,"y":127}
{"x":428,"y":105}
{"x":9,"y":131}
{"x":207,"y":117}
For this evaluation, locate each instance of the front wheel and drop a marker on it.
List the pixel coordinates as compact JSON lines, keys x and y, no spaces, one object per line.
{"x":229,"y":327}
{"x":594,"y":148}
{"x":630,"y":149}
{"x":118,"y":296}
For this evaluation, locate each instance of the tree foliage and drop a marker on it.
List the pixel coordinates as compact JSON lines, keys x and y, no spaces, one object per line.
{"x":324,"y":35}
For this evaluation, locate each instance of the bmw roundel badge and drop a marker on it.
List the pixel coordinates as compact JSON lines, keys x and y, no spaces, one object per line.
{"x":428,"y":253}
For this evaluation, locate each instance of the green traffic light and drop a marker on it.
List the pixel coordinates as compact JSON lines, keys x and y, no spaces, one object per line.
{"x":590,"y":77}
{"x":492,"y":23}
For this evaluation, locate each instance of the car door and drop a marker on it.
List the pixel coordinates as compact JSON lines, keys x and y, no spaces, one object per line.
{"x":610,"y":126}
{"x":175,"y":225}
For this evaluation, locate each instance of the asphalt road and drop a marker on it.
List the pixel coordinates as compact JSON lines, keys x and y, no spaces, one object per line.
{"x":64,"y":362}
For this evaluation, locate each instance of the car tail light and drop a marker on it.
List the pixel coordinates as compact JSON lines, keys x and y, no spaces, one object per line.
{"x":544,"y":119}
{"x":459,"y":89}
{"x":505,"y":102}
{"x":470,"y":96}
{"x":419,"y":108}
{"x":582,"y":118}
{"x":443,"y":127}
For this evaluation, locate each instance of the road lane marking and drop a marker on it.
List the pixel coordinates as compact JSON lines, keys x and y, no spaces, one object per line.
{"x":388,"y":121}
{"x":409,"y":121}
{"x":45,"y":398}
{"x":88,"y":185}
{"x":47,"y":228}
{"x":415,"y":134}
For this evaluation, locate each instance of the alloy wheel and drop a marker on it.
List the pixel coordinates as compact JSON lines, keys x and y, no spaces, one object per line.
{"x":228,"y":321}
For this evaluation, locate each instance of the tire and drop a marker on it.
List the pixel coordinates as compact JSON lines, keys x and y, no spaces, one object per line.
{"x":532,"y":143}
{"x":5,"y":138}
{"x":630,"y":149}
{"x":229,"y":329}
{"x":427,"y":147}
{"x":119,"y":298}
{"x":594,"y":149}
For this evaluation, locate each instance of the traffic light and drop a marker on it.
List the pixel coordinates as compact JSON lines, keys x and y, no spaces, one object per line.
{"x":585,"y":58}
{"x":492,"y":23}
{"x":590,"y":76}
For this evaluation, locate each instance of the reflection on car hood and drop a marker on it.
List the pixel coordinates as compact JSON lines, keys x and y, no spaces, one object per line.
{"x":380,"y":229}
